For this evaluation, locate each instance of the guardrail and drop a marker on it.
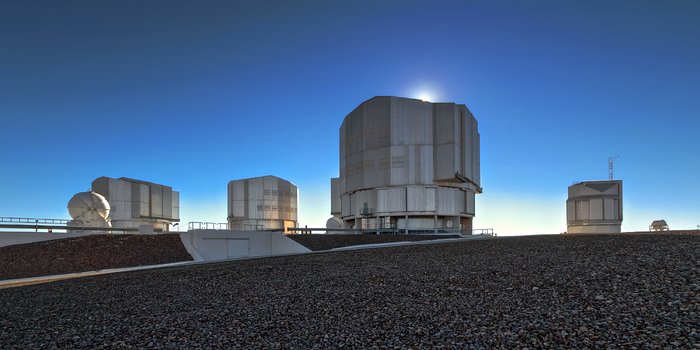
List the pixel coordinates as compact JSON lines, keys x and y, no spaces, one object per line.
{"x":483,"y":231}
{"x":12,"y":219}
{"x":430,"y":231}
{"x":196,"y":225}
{"x":51,"y":228}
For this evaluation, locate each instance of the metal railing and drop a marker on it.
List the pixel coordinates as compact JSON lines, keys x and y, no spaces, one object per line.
{"x":36,"y":224}
{"x":52,"y":228}
{"x":483,"y":231}
{"x":196,"y":225}
{"x":398,"y":231}
{"x":16,"y":220}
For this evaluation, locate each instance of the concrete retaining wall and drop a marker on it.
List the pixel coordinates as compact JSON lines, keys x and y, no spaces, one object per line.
{"x":207,"y":245}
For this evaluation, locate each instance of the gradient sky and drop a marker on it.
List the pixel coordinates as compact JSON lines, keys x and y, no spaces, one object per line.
{"x":193,"y":94}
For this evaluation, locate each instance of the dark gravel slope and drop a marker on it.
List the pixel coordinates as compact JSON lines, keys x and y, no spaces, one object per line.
{"x":318,"y":242}
{"x":576,"y":292}
{"x":94,"y":252}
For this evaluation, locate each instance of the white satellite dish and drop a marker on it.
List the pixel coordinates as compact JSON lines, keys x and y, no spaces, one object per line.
{"x":89,"y":209}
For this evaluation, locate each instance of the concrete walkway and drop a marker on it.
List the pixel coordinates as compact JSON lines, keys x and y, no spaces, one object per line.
{"x":52,"y":278}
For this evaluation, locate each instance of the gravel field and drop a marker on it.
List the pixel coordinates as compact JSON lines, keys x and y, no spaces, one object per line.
{"x":94,"y":252}
{"x":573,"y":292}
{"x":318,"y":242}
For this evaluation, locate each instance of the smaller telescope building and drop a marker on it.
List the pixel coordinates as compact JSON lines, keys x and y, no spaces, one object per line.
{"x":134,"y":203}
{"x":594,"y":207}
{"x":262,"y":203}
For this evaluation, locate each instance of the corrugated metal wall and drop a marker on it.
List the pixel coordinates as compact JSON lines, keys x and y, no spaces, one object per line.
{"x":268,"y":198}
{"x":414,"y":146}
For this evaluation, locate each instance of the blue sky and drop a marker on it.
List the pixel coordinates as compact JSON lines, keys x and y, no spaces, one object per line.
{"x":193,"y":94}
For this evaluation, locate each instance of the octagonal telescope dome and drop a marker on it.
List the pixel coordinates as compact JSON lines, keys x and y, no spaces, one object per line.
{"x":88,"y":206}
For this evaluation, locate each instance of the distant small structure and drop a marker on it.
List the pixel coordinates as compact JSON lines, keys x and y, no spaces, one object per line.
{"x":658,"y":225}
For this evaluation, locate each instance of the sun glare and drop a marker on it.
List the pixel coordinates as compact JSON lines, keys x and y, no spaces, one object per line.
{"x":425,"y":96}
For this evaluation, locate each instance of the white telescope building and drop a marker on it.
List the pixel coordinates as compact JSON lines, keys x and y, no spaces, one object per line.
{"x":262,"y":203}
{"x":407,"y":165}
{"x":136,"y":203}
{"x":594,"y":207}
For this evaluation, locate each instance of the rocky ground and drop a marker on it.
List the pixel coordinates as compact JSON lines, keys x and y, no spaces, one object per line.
{"x":94,"y":252}
{"x":573,"y":292}
{"x":318,"y":242}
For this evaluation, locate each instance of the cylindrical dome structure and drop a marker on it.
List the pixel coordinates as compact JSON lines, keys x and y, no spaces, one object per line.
{"x":594,"y":207}
{"x":262,"y":203}
{"x":332,"y":224}
{"x":408,"y":165}
{"x":89,"y":209}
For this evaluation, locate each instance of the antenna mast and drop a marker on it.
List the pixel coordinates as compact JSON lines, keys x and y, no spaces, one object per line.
{"x":610,"y":166}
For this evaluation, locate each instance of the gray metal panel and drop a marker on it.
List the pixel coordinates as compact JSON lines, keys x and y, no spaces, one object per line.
{"x":596,"y":209}
{"x":376,"y":125}
{"x":176,"y":205}
{"x":144,"y":200}
{"x":346,"y":205}
{"x":101,"y":186}
{"x":156,"y":201}
{"x":420,"y":199}
{"x":167,"y":202}
{"x":583,"y":210}
{"x":120,"y":194}
{"x":444,"y":161}
{"x":608,"y":210}
{"x":445,"y":201}
{"x":426,"y":171}
{"x":459,"y":140}
{"x":255,"y":205}
{"x":391,"y":200}
{"x":411,"y":122}
{"x":335,"y":196}
{"x":471,"y":203}
{"x":237,"y":198}
{"x":570,"y":211}
{"x":353,"y":172}
{"x":477,"y":157}
{"x":117,"y":194}
{"x":136,"y":200}
{"x":399,"y":166}
{"x":383,"y":200}
{"x":467,"y":164}
{"x":447,"y":129}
